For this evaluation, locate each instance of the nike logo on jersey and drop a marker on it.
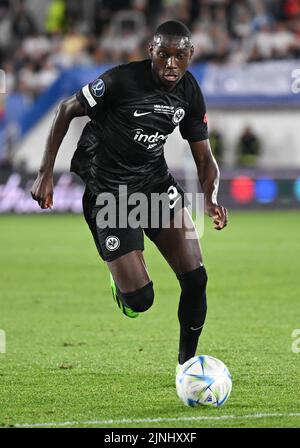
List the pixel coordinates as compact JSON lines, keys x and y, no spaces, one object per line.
{"x":139,"y":114}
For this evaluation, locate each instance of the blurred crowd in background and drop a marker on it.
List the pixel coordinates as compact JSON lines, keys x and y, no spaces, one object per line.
{"x":40,"y":39}
{"x":105,"y":31}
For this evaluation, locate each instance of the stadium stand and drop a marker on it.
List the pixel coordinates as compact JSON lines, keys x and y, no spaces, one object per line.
{"x":247,"y":56}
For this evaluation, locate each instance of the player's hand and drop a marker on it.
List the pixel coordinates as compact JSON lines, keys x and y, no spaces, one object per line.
{"x":219,"y":215}
{"x":42,"y":190}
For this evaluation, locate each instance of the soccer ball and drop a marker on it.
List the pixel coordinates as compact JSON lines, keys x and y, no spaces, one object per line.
{"x":203,"y":380}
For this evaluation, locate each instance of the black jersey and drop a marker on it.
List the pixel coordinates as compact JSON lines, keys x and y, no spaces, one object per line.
{"x":131,"y":118}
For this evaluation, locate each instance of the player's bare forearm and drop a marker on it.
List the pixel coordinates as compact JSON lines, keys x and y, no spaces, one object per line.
{"x":208,"y":171}
{"x":42,"y":189}
{"x":209,"y":176}
{"x":67,"y":110}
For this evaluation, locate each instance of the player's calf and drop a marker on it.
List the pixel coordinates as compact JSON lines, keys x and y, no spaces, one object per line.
{"x":191,"y":311}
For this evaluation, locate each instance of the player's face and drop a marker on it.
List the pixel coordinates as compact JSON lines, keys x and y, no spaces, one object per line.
{"x":170,"y":56}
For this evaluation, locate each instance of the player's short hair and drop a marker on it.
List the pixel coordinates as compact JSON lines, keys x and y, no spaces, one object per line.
{"x":173,"y":28}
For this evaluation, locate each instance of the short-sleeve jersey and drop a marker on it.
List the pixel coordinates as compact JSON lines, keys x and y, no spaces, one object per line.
{"x":131,"y":118}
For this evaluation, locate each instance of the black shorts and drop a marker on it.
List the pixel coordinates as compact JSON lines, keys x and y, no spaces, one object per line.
{"x":116,"y":240}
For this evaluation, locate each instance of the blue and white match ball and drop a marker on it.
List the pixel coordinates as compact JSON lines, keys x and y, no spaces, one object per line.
{"x":203,"y":380}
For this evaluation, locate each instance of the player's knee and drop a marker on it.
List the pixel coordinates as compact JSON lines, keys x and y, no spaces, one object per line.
{"x":141,"y":299}
{"x":193,"y":282}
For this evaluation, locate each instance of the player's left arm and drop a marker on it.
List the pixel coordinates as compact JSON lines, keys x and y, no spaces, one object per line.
{"x":209,"y":175}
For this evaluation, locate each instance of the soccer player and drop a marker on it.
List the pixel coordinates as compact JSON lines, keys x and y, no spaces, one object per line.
{"x":133,"y":107}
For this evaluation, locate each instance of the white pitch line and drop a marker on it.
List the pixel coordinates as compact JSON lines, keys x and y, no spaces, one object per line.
{"x":156,"y":420}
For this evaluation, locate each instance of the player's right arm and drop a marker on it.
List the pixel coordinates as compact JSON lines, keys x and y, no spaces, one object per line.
{"x":42,"y":189}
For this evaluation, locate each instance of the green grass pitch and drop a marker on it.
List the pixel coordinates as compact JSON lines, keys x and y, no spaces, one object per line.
{"x":71,"y":356}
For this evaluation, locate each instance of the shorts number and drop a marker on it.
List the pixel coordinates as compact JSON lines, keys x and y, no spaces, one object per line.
{"x":172,"y":193}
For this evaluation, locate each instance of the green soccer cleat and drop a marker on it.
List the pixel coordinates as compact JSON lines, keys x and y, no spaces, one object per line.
{"x":125,"y":309}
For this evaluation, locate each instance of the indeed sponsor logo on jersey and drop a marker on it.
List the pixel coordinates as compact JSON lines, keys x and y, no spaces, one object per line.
{"x":153,"y":139}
